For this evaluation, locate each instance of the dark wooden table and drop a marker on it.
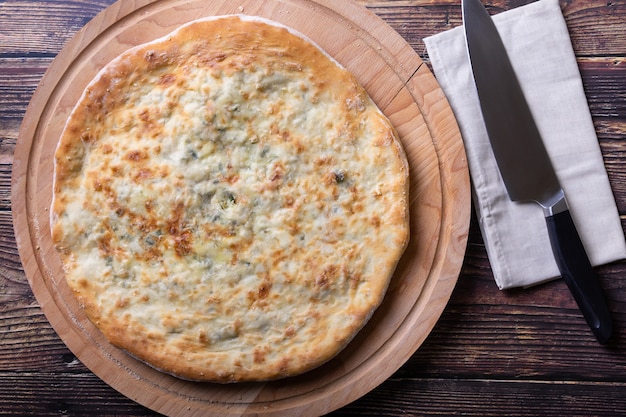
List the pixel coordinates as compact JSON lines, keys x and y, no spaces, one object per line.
{"x":515,"y":353}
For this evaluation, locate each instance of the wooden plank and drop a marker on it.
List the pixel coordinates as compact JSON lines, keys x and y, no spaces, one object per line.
{"x":19,"y":77}
{"x":41,"y":28}
{"x":607,"y":37}
{"x":487,"y":397}
{"x":11,"y":272}
{"x":54,"y":394}
{"x":29,"y":342}
{"x":604,"y":79}
{"x":5,"y":185}
{"x":71,"y":394}
{"x":57,"y":21}
{"x":614,"y":154}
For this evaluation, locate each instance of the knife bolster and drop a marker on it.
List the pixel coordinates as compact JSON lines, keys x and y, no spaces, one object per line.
{"x":554,"y":205}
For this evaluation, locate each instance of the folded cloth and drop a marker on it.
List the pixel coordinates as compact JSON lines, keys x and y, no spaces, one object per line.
{"x":515,"y":235}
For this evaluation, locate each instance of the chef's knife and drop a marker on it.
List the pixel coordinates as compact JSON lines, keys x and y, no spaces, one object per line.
{"x":524,"y":163}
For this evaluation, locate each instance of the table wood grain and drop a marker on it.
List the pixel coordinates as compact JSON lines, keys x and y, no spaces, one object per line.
{"x":515,"y":353}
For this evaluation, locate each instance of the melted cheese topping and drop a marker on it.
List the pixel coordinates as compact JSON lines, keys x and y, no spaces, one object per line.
{"x":229,"y":204}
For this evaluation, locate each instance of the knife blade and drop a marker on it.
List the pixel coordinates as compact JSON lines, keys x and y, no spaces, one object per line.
{"x":524,"y":164}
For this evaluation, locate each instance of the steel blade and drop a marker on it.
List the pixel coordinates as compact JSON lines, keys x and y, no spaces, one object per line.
{"x":519,"y":150}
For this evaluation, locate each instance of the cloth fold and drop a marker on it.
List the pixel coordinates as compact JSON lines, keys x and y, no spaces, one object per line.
{"x":515,"y":234}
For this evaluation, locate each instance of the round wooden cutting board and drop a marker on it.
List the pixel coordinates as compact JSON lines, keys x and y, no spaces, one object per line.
{"x":406,"y":92}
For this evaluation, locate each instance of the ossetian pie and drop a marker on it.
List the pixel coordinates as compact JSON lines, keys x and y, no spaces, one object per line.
{"x":229,"y":204}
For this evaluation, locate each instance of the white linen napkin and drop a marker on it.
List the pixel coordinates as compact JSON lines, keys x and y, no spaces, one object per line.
{"x":515,"y":234}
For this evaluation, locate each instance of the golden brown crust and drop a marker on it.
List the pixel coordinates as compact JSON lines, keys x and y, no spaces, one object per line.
{"x":229,"y":205}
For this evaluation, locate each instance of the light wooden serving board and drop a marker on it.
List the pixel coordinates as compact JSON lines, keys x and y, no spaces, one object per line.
{"x":403,"y":88}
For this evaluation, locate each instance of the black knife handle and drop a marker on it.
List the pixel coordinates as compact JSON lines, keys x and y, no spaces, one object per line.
{"x":576,"y":269}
